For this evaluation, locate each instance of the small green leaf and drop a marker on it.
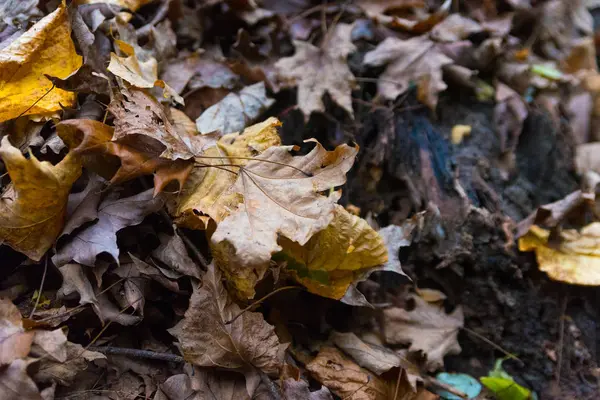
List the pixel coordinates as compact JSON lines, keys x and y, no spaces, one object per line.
{"x":546,"y":71}
{"x":505,"y":389}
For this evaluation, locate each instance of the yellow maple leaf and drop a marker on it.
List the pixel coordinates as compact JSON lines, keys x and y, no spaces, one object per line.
{"x":574,"y":259}
{"x":331,"y":260}
{"x":32,"y":209}
{"x":45,"y":49}
{"x":141,"y":74}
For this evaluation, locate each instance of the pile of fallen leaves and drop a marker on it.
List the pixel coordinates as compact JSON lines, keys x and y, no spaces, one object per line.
{"x":161,"y":242}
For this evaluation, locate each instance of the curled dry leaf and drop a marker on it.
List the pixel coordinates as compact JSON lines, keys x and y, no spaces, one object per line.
{"x":235,"y":111}
{"x":24,"y":64}
{"x":281,"y":197}
{"x":346,"y":379}
{"x":573,"y":259}
{"x":427,"y":328}
{"x":114,"y":214}
{"x":246,"y":344}
{"x":32,"y":208}
{"x":203,"y":195}
{"x":336,"y":256}
{"x":317,"y":70}
{"x":415,"y":60}
{"x":15,"y":342}
{"x":374,"y":358}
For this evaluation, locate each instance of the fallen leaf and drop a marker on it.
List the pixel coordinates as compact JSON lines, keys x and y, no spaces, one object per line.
{"x":15,"y":383}
{"x":374,"y":358}
{"x":332,"y":259}
{"x":235,"y":111}
{"x":45,"y":49}
{"x":320,"y":70}
{"x":572,"y":259}
{"x":415,"y":60}
{"x":244,"y":345}
{"x":392,"y":14}
{"x":205,"y":383}
{"x":82,"y":207}
{"x":346,"y":379}
{"x":50,"y":344}
{"x":75,"y":281}
{"x":32,"y":208}
{"x":454,"y":28}
{"x":202,"y":197}
{"x":173,"y":253}
{"x":114,"y":214}
{"x":15,"y":342}
{"x":65,"y":372}
{"x":281,"y":197}
{"x":132,"y":5}
{"x":459,"y":132}
{"x":427,"y":328}
{"x":503,"y":386}
{"x":298,"y":390}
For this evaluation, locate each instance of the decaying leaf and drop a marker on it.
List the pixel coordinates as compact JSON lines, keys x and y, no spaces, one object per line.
{"x":427,"y":328}
{"x":132,"y":5}
{"x":45,"y":49}
{"x":571,"y":257}
{"x":172,"y":252}
{"x":346,"y":379}
{"x":15,"y":342}
{"x":64,"y":372}
{"x":281,"y":197}
{"x":235,"y":111}
{"x":114,"y":214}
{"x":32,"y":208}
{"x":299,"y":390}
{"x":401,"y":13}
{"x":374,"y":358}
{"x":204,"y":383}
{"x":15,"y":383}
{"x":416,"y":60}
{"x":245,"y":344}
{"x":333,"y":258}
{"x":82,"y":207}
{"x":317,"y":70}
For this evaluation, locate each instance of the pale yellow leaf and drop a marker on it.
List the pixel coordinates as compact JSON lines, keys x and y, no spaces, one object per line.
{"x":32,"y":209}
{"x":459,"y":132}
{"x":574,"y":258}
{"x":45,"y":49}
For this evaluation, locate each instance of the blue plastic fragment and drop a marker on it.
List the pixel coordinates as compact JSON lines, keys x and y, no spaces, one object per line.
{"x":461,"y":382}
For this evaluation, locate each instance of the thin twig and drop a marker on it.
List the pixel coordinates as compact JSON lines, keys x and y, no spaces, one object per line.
{"x":137,"y":353}
{"x":257,"y":302}
{"x":494,"y":345}
{"x":37,"y":300}
{"x":37,"y":101}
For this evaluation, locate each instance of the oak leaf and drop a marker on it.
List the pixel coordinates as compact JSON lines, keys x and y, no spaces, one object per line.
{"x":32,"y":208}
{"x":114,"y":214}
{"x":244,"y":345}
{"x":317,"y":70}
{"x":333,"y":258}
{"x":415,"y":60}
{"x":574,"y":259}
{"x":281,"y":196}
{"x":45,"y":49}
{"x":427,"y":328}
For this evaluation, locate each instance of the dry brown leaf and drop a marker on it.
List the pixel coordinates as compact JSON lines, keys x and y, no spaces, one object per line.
{"x":45,"y":49}
{"x":15,"y":342}
{"x":299,"y":390}
{"x":281,"y":197}
{"x":454,"y":28}
{"x":573,"y":259}
{"x":235,"y":111}
{"x":15,"y":383}
{"x":336,"y":257}
{"x":82,"y":207}
{"x":415,"y":60}
{"x":320,"y":70}
{"x":50,"y":344}
{"x":346,"y":379}
{"x":204,"y":383}
{"x":409,"y":15}
{"x":65,"y":372}
{"x":32,"y":208}
{"x":427,"y":328}
{"x":374,"y":358}
{"x":173,"y":253}
{"x":246,"y":344}
{"x":114,"y":214}
{"x":132,"y":5}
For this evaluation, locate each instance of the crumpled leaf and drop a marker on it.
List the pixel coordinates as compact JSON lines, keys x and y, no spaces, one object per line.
{"x":415,"y":60}
{"x":204,"y":383}
{"x":235,"y":111}
{"x":114,"y":214}
{"x":299,"y":390}
{"x":24,"y":88}
{"x":82,"y":207}
{"x":280,"y":198}
{"x":15,"y":383}
{"x":65,"y":372}
{"x":572,"y":257}
{"x":141,"y":74}
{"x":203,"y":195}
{"x":374,"y":358}
{"x":346,"y":379}
{"x":245,"y":344}
{"x":317,"y":70}
{"x":50,"y":344}
{"x":427,"y":328}
{"x":333,"y":258}
{"x":173,"y":253}
{"x":15,"y":342}
{"x":32,"y":208}
{"x":384,"y":11}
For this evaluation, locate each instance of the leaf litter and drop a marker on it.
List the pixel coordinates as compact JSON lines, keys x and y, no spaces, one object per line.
{"x":259,"y":200}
